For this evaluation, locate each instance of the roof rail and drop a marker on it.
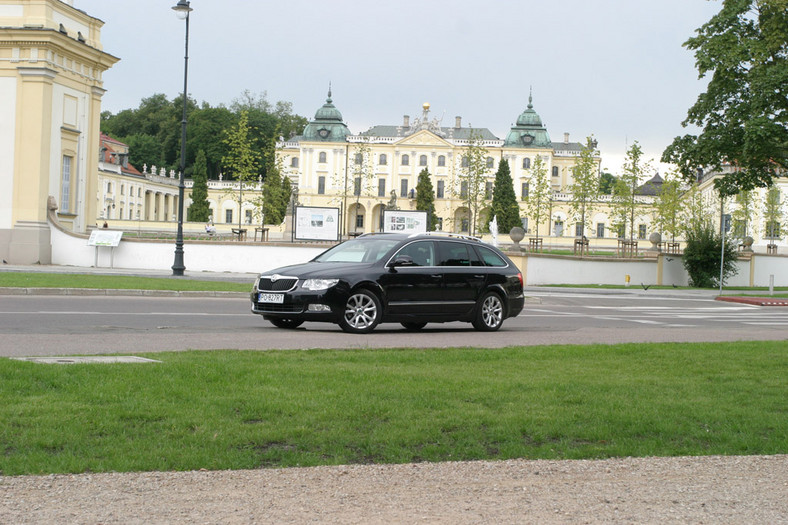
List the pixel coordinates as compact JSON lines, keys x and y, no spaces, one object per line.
{"x":448,"y":234}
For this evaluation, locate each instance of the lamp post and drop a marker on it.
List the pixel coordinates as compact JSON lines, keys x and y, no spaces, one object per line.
{"x":182,"y":10}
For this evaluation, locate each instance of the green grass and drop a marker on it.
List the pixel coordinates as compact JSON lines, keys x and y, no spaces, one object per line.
{"x":114,"y":282}
{"x":242,"y":410}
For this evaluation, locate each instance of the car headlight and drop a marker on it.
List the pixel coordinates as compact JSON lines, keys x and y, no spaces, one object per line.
{"x":319,"y":284}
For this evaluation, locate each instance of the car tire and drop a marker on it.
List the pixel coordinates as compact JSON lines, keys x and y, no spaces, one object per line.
{"x":362,"y":313}
{"x":413,"y":326}
{"x":489,"y":313}
{"x":281,"y":322}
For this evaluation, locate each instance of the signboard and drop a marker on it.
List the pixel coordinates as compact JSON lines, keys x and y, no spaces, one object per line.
{"x":105,"y":238}
{"x":398,"y":221}
{"x":316,"y":224}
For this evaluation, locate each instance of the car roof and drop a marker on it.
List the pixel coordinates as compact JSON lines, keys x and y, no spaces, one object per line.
{"x":437,"y":235}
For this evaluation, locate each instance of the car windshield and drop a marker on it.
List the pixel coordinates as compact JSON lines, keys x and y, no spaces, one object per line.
{"x":358,"y":251}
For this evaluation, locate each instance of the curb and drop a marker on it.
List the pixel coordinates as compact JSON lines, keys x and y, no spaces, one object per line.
{"x":757,"y":301}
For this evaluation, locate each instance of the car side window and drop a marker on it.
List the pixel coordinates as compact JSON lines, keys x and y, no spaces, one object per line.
{"x":422,"y":253}
{"x":456,"y":254}
{"x":490,"y":258}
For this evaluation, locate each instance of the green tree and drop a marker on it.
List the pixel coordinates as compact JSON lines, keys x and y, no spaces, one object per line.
{"x":472,"y":178}
{"x":773,"y":215}
{"x":668,"y":206}
{"x":199,"y":210}
{"x":702,"y":254}
{"x":585,"y":186}
{"x":537,"y":203}
{"x":606,"y":183}
{"x":697,"y":212}
{"x":625,"y":202}
{"x":746,"y":205}
{"x":242,"y":161}
{"x":425,"y":198}
{"x":743,"y":115}
{"x":504,"y":201}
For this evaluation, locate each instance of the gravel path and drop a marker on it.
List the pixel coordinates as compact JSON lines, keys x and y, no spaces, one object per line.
{"x":712,"y":489}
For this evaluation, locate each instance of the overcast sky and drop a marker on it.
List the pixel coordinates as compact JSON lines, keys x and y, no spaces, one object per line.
{"x":612,"y":68}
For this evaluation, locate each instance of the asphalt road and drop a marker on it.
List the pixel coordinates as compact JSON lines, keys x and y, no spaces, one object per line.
{"x":43,"y":325}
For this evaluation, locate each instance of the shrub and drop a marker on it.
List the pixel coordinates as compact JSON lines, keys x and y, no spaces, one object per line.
{"x":702,"y":258}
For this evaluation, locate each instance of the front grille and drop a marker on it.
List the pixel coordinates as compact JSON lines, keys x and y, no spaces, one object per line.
{"x":279,"y":308}
{"x":281,"y":284}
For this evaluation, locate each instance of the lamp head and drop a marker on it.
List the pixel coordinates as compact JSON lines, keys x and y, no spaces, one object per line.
{"x":182,"y":9}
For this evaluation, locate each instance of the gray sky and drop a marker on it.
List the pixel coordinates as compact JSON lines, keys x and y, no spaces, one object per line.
{"x":612,"y":68}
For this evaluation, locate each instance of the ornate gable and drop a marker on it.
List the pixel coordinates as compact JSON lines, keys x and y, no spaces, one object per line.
{"x":423,"y":138}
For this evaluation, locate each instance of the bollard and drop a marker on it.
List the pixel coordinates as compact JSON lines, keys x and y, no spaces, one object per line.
{"x":626,"y":280}
{"x":771,"y":284}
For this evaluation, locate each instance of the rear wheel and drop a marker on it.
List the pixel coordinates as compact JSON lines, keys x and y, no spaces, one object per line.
{"x":414,"y":327}
{"x":280,"y":322}
{"x":362,"y":314}
{"x":489,"y":313}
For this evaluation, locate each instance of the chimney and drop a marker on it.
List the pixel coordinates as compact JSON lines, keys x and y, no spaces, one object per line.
{"x":457,"y":122}
{"x":566,"y":138}
{"x":406,"y":121}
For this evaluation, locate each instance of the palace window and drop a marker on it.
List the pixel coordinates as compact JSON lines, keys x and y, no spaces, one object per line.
{"x":65,"y":185}
{"x":403,"y":188}
{"x":423,"y":160}
{"x":321,"y":185}
{"x":359,"y":158}
{"x":294,"y":162}
{"x":321,"y":157}
{"x":488,"y":190}
{"x":524,"y":191}
{"x":405,"y":160}
{"x":641,"y":231}
{"x":526,"y":163}
{"x":441,"y":189}
{"x":228,"y":216}
{"x":441,"y":160}
{"x":490,"y":163}
{"x":357,"y":186}
{"x":383,"y":159}
{"x":381,"y":187}
{"x":600,"y":229}
{"x":555,"y":171}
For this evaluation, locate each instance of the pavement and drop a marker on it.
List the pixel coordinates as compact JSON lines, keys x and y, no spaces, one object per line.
{"x":250,"y":277}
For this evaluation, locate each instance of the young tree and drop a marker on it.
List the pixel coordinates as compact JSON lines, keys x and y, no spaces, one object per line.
{"x":472,"y":178}
{"x":199,"y":210}
{"x":702,"y":255}
{"x":584,"y":187}
{"x":743,"y":111}
{"x":746,"y":204}
{"x":537,"y":204}
{"x":668,"y":206}
{"x":624,"y":201}
{"x":773,"y":215}
{"x":242,"y":161}
{"x":504,"y":201}
{"x":425,"y":198}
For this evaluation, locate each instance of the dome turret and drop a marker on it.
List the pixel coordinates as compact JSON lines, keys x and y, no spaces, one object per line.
{"x":327,"y":126}
{"x":529,"y":132}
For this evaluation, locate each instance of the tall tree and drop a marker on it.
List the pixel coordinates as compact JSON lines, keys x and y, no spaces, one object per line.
{"x":585,"y":186}
{"x":744,"y":111}
{"x":537,"y":203}
{"x":504,"y":201}
{"x":425,"y":198}
{"x":472,"y":178}
{"x":624,"y":202}
{"x":606,"y":183}
{"x":773,"y":215}
{"x":242,"y":161}
{"x":199,"y":210}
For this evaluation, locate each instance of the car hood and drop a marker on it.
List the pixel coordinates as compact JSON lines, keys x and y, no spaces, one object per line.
{"x":320,"y":270}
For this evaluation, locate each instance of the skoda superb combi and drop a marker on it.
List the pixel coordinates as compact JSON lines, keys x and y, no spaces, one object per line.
{"x":394,"y":278}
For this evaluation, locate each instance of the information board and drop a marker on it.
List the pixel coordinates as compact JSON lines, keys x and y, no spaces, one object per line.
{"x":105,"y":238}
{"x":399,"y":221}
{"x":316,"y":224}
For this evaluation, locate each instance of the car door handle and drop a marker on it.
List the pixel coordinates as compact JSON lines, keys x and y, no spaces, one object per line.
{"x":435,"y":276}
{"x":479,"y":276}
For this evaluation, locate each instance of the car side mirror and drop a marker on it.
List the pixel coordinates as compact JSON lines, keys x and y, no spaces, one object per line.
{"x":401,"y":260}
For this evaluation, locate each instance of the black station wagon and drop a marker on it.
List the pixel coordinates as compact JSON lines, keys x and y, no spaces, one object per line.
{"x":394,"y":278}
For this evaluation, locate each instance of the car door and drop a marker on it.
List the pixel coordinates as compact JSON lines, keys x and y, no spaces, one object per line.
{"x":464,"y":276}
{"x":414,"y":288}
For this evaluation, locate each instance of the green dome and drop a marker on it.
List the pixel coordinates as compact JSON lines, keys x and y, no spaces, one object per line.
{"x":327,"y":125}
{"x":529,"y":132}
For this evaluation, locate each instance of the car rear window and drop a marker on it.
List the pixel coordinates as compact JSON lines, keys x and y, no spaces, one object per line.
{"x":489,"y":257}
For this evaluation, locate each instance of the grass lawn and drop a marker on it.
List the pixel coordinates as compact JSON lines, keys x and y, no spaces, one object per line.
{"x":246,"y":410}
{"x":114,"y":282}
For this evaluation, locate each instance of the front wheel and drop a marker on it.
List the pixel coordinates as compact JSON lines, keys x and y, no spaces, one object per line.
{"x":489,"y":313}
{"x":280,"y":322}
{"x":362,"y":314}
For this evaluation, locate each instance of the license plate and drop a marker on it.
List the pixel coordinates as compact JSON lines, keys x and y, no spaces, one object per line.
{"x":271,"y":298}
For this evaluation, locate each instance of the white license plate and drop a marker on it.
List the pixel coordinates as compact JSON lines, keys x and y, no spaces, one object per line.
{"x":271,"y":298}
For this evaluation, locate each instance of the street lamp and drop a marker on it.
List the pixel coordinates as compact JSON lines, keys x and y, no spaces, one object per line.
{"x":182,"y":10}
